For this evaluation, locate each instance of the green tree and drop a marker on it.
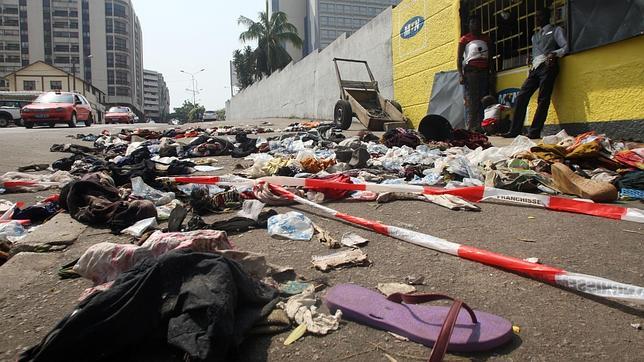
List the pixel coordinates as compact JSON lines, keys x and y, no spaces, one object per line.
{"x":196,"y":113}
{"x":221,"y":114}
{"x":244,"y":62}
{"x":188,"y":111}
{"x":271,"y":34}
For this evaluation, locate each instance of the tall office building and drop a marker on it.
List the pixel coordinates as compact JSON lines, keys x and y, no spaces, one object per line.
{"x":320,"y":22}
{"x":156,"y":97}
{"x":99,"y":40}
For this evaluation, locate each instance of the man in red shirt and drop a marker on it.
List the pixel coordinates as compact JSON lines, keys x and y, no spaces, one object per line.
{"x":474,"y":67}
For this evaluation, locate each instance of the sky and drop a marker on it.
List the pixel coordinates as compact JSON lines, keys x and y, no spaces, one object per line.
{"x":191,"y":35}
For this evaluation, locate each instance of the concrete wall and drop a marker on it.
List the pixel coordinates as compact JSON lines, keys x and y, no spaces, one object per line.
{"x":309,"y":88}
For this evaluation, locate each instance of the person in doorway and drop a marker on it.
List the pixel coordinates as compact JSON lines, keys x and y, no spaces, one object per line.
{"x":548,"y":45}
{"x":474,"y":67}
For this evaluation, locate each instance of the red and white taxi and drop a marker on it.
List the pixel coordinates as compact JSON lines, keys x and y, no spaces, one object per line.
{"x":57,"y":107}
{"x":119,"y":115}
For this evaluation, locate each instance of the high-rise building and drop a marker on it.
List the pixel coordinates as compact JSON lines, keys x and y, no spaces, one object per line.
{"x":99,"y":40}
{"x":156,"y":97}
{"x":320,"y":22}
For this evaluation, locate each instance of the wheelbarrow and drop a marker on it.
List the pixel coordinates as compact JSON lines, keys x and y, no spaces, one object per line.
{"x":362,"y":100}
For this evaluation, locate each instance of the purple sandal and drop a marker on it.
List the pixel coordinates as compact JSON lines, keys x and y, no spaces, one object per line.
{"x":457,"y":328}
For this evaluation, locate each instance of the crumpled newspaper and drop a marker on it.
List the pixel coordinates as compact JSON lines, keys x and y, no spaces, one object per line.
{"x":301,"y":308}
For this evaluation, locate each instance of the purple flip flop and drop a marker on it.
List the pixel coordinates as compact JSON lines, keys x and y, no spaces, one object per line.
{"x":450,"y":328}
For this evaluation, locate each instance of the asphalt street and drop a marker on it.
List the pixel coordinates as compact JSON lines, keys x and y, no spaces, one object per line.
{"x":554,"y":324}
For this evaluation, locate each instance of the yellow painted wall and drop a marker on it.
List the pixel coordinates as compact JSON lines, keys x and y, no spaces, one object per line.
{"x":598,"y":85}
{"x":418,"y":58}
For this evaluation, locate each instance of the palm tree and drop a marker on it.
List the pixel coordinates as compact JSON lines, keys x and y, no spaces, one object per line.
{"x":271,"y":35}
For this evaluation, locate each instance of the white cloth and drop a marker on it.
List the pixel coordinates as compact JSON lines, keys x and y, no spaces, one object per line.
{"x":476,"y":49}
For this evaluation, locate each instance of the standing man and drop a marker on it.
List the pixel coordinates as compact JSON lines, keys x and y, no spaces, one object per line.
{"x":548,"y":45}
{"x":473,"y":63}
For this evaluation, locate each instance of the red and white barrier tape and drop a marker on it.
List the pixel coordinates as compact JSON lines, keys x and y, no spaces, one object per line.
{"x":584,"y":283}
{"x":478,"y":194}
{"x":472,"y":194}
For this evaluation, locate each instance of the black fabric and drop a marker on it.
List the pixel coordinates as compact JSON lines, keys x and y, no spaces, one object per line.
{"x":137,"y":156}
{"x":235,"y":225}
{"x":542,"y":78}
{"x":96,"y":204}
{"x":246,"y":147}
{"x":36,"y":213}
{"x":199,"y":303}
{"x":178,"y":167}
{"x":632,"y":180}
{"x":70,"y":148}
{"x":597,"y":22}
{"x":145,"y":169}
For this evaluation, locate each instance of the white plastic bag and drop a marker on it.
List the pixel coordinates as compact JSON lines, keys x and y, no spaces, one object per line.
{"x":293,"y":225}
{"x":251,"y":209}
{"x":142,"y":190}
{"x":141,"y":227}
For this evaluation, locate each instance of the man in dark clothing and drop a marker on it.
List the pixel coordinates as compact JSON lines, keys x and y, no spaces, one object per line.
{"x":474,"y":67}
{"x":548,"y":44}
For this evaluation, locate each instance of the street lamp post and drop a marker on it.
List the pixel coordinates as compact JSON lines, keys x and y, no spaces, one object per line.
{"x":194,"y":84}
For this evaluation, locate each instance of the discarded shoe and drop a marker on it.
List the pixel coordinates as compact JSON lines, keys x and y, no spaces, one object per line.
{"x":457,"y":328}
{"x":570,"y":183}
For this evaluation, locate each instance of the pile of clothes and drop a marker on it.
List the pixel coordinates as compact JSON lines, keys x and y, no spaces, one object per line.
{"x":191,"y":293}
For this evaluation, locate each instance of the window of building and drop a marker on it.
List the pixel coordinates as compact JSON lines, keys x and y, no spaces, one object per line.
{"x":120,"y":10}
{"x":122,"y":77}
{"x":120,"y":44}
{"x":61,"y":47}
{"x":10,"y":22}
{"x":12,"y":46}
{"x":10,"y":10}
{"x":29,"y":85}
{"x":12,"y":59}
{"x":61,"y":60}
{"x":510,"y":26}
{"x":120,"y":27}
{"x":123,"y":91}
{"x":56,"y":85}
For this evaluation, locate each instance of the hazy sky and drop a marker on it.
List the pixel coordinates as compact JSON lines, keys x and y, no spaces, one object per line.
{"x":190,"y":35}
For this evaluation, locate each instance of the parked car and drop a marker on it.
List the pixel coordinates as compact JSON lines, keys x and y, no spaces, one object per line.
{"x":9,"y":114}
{"x":209,"y":116}
{"x":57,"y":107}
{"x":120,"y":115}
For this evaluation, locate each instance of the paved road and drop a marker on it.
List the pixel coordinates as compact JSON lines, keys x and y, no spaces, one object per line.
{"x":556,"y":325}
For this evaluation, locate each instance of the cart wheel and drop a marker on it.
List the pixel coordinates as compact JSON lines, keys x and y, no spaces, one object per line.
{"x":342,"y":114}
{"x":397,"y":105}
